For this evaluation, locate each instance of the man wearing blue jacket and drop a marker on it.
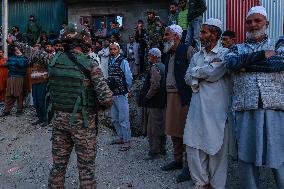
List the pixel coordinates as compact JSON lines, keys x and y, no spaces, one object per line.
{"x":17,"y":66}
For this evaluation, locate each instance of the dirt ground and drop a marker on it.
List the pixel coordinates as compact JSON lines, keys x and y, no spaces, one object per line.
{"x":25,"y":153}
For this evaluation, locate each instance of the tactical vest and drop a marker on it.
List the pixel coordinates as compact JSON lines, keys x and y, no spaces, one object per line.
{"x":70,"y":90}
{"x":116,"y":78}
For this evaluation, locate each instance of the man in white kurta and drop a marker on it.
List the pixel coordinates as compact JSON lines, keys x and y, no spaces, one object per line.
{"x":104,"y":54}
{"x":205,"y":133}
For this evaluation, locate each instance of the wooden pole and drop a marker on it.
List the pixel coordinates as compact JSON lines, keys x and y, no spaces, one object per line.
{"x":5,"y":26}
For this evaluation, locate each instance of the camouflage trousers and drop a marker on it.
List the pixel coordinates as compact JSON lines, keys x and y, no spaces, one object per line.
{"x":64,"y":138}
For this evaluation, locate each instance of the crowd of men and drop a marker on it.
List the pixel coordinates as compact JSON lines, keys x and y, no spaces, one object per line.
{"x":212,"y":101}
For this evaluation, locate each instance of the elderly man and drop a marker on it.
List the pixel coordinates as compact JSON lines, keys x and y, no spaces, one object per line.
{"x":153,"y":96}
{"x":258,"y":100}
{"x":178,"y":95}
{"x":120,"y":81}
{"x":205,"y":133}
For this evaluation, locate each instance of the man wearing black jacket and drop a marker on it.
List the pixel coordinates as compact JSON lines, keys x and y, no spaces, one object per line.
{"x":153,"y":97}
{"x":177,"y":59}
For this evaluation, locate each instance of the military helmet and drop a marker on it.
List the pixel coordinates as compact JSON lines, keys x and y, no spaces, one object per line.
{"x":72,"y":32}
{"x":76,"y":37}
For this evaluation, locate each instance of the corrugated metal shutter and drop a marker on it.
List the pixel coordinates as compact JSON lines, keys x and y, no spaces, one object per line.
{"x":49,"y":13}
{"x":275,"y":11}
{"x":216,"y":9}
{"x":236,"y":15}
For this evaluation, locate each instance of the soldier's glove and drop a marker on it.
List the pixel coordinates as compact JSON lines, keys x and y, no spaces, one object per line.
{"x":105,"y":104}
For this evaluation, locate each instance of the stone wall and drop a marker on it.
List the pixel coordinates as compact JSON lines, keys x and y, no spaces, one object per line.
{"x":131,"y":11}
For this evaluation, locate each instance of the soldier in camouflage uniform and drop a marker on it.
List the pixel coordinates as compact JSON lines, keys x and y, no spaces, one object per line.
{"x":155,"y":31}
{"x":76,"y":87}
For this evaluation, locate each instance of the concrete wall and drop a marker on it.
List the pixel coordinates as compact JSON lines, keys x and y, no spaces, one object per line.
{"x":131,"y":11}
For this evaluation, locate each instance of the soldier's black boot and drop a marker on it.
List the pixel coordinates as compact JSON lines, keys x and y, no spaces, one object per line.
{"x":172,"y":166}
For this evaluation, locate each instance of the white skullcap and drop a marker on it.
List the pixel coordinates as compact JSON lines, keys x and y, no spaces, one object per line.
{"x":155,"y":52}
{"x":214,"y":22}
{"x":176,"y":29}
{"x":257,"y":10}
{"x":115,"y":43}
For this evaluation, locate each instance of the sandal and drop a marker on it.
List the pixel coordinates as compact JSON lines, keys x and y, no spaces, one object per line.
{"x":117,"y":141}
{"x":125,"y":147}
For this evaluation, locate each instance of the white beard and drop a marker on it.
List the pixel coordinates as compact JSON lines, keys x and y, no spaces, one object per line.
{"x":256,"y":34}
{"x":168,"y":45}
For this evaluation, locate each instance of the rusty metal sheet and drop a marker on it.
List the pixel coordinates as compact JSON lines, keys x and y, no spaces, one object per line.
{"x":236,"y":14}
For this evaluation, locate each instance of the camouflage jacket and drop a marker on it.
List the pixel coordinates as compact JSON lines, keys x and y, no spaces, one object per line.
{"x":104,"y":94}
{"x":155,"y":32}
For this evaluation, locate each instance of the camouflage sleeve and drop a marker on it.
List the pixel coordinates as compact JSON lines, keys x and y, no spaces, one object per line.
{"x":40,"y":57}
{"x":25,"y":48}
{"x":104,"y":94}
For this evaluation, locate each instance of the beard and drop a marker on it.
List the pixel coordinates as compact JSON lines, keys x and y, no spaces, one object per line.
{"x":207,"y":43}
{"x":256,"y":34}
{"x":168,"y":45}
